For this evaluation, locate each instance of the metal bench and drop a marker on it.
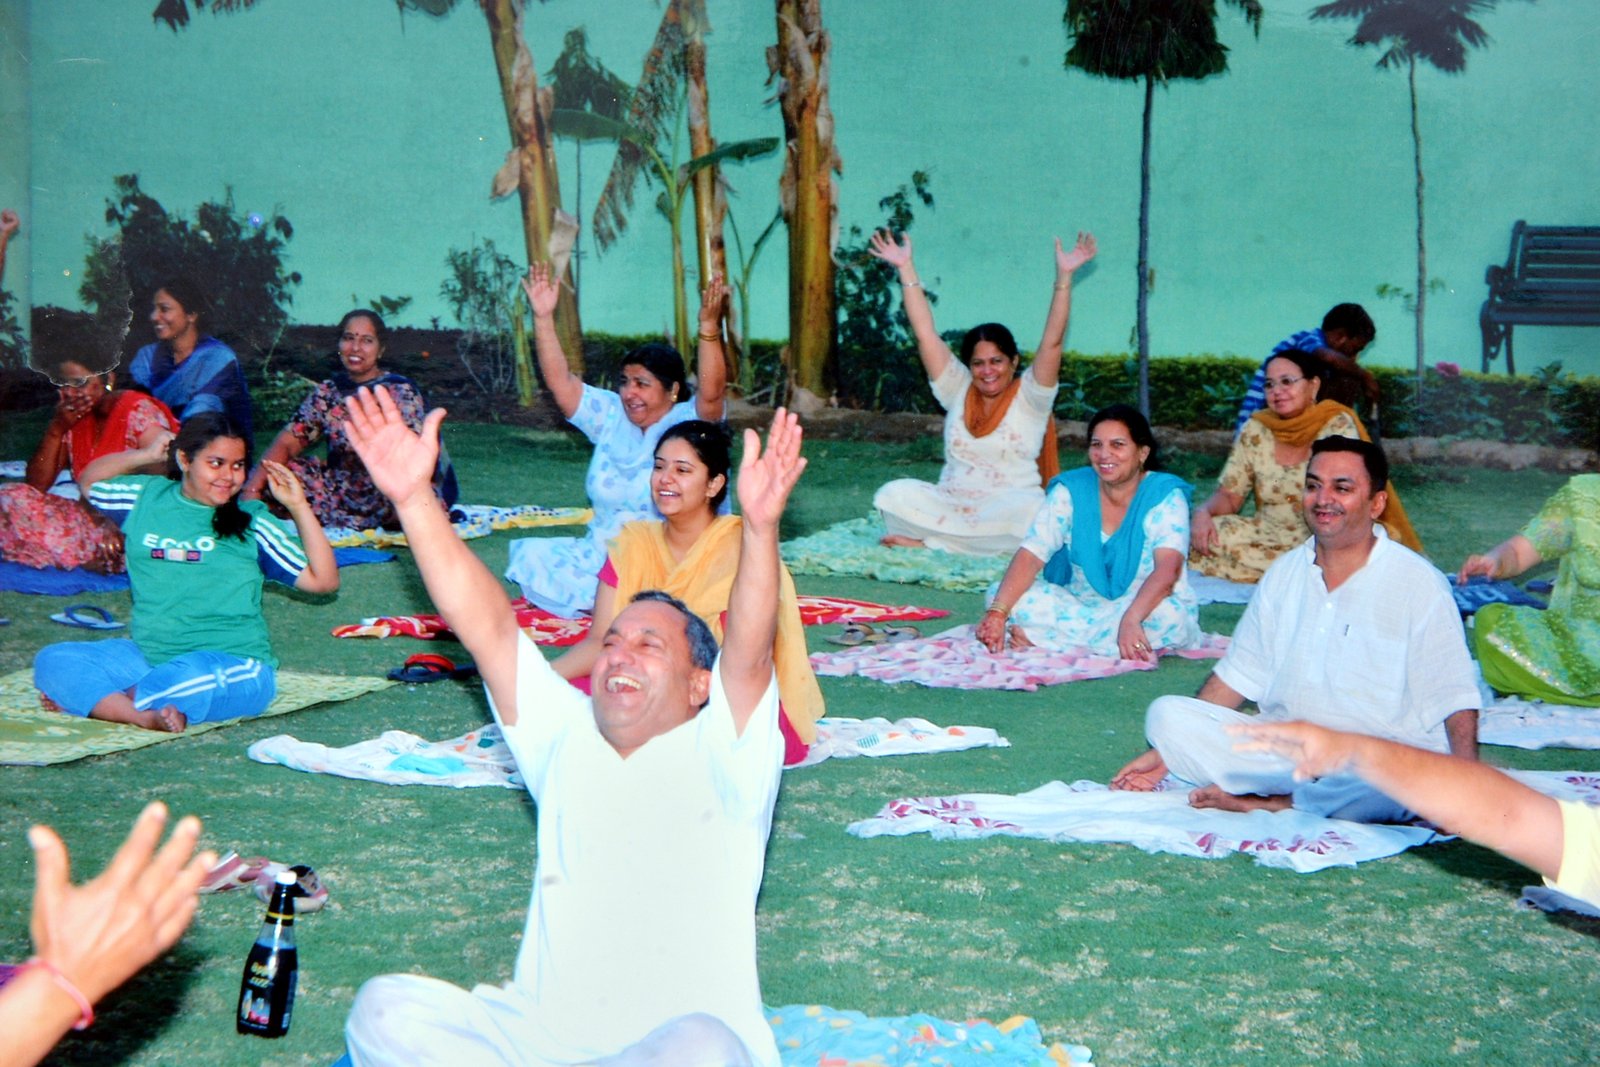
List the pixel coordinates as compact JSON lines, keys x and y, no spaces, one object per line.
{"x":1551,"y":278}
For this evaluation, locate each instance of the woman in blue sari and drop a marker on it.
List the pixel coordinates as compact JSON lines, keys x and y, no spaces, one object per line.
{"x":187,"y":369}
{"x":1110,"y":542}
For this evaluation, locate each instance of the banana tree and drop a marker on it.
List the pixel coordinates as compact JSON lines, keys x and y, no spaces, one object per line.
{"x":676,"y":181}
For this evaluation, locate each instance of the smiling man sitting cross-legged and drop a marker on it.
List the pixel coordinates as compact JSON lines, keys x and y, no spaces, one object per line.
{"x":654,"y":803}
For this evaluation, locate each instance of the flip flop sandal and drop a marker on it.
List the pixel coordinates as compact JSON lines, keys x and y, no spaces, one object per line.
{"x":234,"y":871}
{"x":857,"y":633}
{"x":430,"y":667}
{"x":894,"y":634}
{"x":87,"y":617}
{"x":308,"y":892}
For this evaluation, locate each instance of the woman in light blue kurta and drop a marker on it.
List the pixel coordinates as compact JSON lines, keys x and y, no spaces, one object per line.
{"x":1110,"y":542}
{"x":559,"y":574}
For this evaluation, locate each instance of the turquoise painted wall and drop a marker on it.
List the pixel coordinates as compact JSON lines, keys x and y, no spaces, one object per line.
{"x":1280,"y":188}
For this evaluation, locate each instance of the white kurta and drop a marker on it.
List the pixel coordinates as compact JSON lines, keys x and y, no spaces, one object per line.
{"x":644,"y":894}
{"x":989,"y":488}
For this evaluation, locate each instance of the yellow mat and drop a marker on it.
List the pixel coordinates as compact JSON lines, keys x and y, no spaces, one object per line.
{"x":31,"y":736}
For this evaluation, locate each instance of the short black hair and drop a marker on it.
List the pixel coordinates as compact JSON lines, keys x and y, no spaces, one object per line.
{"x":992,"y":332}
{"x":702,"y":643}
{"x":1352,"y":319}
{"x":1138,"y":428}
{"x":190,"y":297}
{"x":1371,"y":454}
{"x":380,"y":329}
{"x":664,"y":362}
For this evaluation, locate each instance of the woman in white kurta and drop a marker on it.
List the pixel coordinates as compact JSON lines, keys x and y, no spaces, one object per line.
{"x":999,"y":444}
{"x":1110,"y":542}
{"x":557,"y":573}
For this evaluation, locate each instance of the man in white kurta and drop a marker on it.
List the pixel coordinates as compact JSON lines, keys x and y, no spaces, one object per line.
{"x":654,"y":804}
{"x":1351,"y":631}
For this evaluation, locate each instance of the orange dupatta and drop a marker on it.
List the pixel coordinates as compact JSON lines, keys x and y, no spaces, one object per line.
{"x":704,"y":581}
{"x":983,"y":417}
{"x":1302,"y":430}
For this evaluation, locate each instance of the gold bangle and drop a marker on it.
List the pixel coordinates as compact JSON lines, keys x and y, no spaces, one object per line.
{"x":999,"y":609}
{"x":710,"y":336}
{"x":912,"y":284}
{"x":1064,"y":285}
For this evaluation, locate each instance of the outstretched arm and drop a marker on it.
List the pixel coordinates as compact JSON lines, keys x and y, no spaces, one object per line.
{"x":765,"y":481}
{"x":1463,"y":796}
{"x":472,"y":601}
{"x":1047,"y":357}
{"x":1018,"y":579}
{"x":9,"y":223}
{"x":930,"y":346}
{"x":1506,"y":560}
{"x":116,"y":464}
{"x":711,"y":372}
{"x":98,"y":934}
{"x":544,"y":291}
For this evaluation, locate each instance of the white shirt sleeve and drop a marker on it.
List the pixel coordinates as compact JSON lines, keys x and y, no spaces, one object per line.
{"x":547,"y":707}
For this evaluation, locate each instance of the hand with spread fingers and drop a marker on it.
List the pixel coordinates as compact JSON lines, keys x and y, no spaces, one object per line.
{"x":400,"y":460}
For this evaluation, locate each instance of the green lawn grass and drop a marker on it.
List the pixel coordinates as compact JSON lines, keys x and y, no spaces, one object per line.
{"x":1422,"y":958}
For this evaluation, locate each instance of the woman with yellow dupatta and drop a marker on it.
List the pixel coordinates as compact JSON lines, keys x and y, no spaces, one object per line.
{"x":692,"y":554}
{"x":999,"y":431}
{"x":1268,"y":462}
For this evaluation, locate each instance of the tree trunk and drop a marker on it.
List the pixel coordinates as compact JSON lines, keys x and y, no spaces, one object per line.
{"x":1143,"y":312}
{"x":1422,"y":244}
{"x":808,"y":192}
{"x":710,"y":206}
{"x":527,"y":116}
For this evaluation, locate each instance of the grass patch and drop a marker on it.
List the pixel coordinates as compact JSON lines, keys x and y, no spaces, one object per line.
{"x":1421,"y":958}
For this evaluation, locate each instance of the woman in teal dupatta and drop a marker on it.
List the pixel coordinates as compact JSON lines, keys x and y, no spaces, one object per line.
{"x":1110,"y":543}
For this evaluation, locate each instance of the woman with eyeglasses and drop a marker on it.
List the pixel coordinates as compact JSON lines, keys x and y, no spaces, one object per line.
{"x":93,"y":418}
{"x":557,"y":573}
{"x":339,"y":488}
{"x":1268,"y":462}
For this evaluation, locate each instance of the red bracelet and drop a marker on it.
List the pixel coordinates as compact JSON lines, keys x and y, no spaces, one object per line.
{"x":85,"y":1009}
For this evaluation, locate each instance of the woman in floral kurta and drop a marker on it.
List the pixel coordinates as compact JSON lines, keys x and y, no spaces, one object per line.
{"x":1551,"y":655}
{"x":340,"y":490}
{"x":558,"y":573}
{"x":1077,"y":584}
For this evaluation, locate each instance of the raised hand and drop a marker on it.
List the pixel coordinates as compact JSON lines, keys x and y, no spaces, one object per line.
{"x":883,"y":246}
{"x":543,"y":289}
{"x":285,"y":487}
{"x":766,"y":478}
{"x":1081,"y":253}
{"x":99,"y":933}
{"x":9,"y":222}
{"x":1315,"y":751}
{"x":712,"y":302}
{"x":400,"y":460}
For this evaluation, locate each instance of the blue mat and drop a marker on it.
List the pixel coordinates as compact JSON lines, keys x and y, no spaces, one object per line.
{"x":52,"y":581}
{"x":1481,"y":592}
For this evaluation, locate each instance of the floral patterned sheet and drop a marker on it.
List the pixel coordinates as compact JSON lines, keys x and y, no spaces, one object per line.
{"x":955,"y":660}
{"x":1163,"y":821}
{"x":812,"y":1035}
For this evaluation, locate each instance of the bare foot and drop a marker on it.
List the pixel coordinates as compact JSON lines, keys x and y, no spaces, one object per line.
{"x":1212,"y":796}
{"x":47,"y":704}
{"x":167,"y":719}
{"x":900,"y":541}
{"x":1019,"y":639}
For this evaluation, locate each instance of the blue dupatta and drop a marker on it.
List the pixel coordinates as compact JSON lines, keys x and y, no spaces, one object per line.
{"x":1109,"y":565}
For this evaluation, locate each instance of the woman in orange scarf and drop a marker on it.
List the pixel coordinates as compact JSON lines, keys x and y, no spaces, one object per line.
{"x":93,"y":418}
{"x":1268,"y":462}
{"x":693,"y":554}
{"x":999,"y":433}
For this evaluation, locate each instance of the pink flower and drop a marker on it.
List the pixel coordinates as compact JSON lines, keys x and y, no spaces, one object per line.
{"x":1448,"y":370}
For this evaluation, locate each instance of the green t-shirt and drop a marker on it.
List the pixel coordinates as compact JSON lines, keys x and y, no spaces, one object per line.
{"x":193,"y":590}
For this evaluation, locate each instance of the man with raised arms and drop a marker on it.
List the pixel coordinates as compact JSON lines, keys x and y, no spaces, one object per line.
{"x":654,"y":803}
{"x":1350,"y":630}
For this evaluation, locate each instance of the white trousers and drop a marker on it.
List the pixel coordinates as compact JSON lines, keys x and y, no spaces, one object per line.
{"x":401,"y":1020}
{"x":1192,"y":737}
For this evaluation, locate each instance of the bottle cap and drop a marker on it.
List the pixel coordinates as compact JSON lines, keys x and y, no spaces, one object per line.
{"x":286,"y":877}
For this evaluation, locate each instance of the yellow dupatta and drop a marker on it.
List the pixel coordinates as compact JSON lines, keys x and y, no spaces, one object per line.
{"x":703,"y":581}
{"x":1302,"y":430}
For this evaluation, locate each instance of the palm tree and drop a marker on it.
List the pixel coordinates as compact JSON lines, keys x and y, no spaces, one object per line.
{"x":1153,"y":41}
{"x":580,"y":82}
{"x":808,"y":192}
{"x":530,"y":164}
{"x":1438,"y":32}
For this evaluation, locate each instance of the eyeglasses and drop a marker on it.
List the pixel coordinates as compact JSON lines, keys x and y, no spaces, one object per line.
{"x":1283,"y":383}
{"x":76,"y":383}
